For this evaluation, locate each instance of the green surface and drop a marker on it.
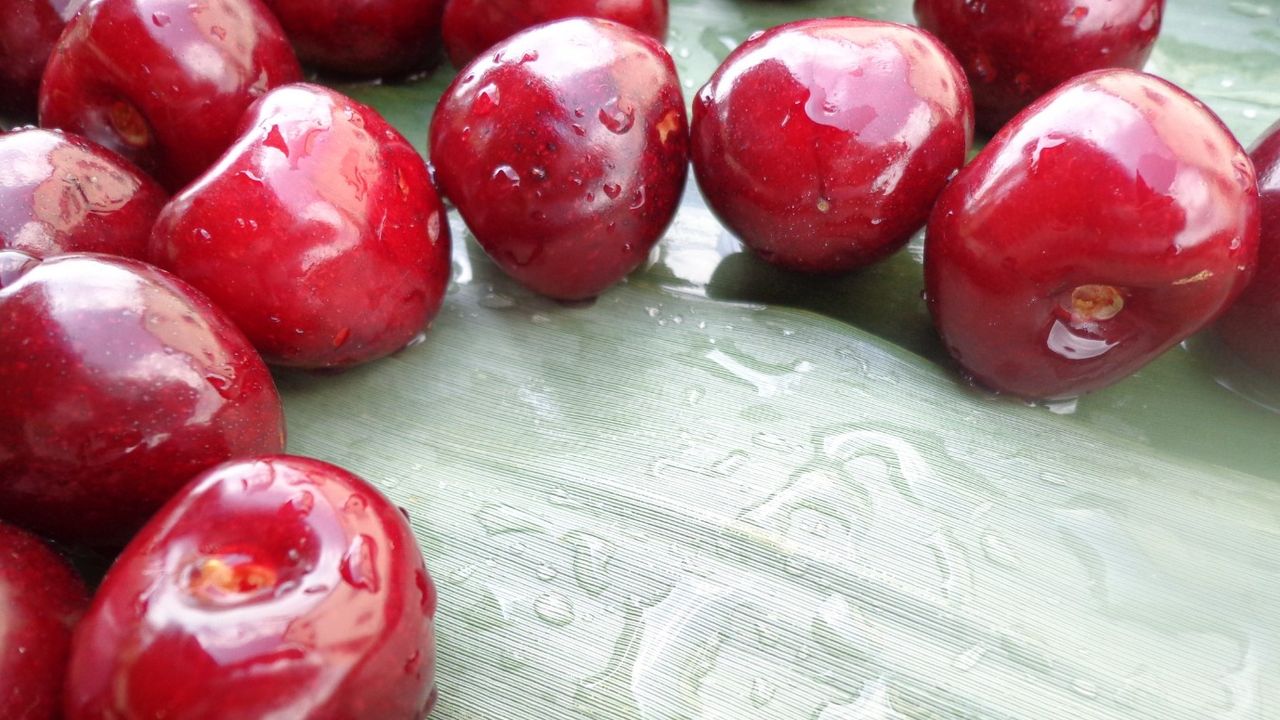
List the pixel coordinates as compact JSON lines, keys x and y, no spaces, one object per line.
{"x":721,"y":491}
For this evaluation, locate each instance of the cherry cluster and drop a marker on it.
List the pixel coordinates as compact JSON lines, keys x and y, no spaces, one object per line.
{"x":189,"y":212}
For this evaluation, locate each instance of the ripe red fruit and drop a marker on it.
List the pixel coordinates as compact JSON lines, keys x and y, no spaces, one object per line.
{"x":823,"y":144}
{"x":118,"y":384}
{"x":278,"y":587}
{"x":336,"y":214}
{"x":60,"y":193}
{"x":41,"y":599}
{"x":473,"y":26}
{"x":565,"y":149}
{"x":362,"y":38}
{"x":1106,"y":223}
{"x":1252,"y":326}
{"x":28,"y":30}
{"x":1014,"y":52}
{"x":164,"y":82}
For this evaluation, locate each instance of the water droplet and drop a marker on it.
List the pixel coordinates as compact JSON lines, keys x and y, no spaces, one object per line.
{"x":497,"y":301}
{"x":529,"y":56}
{"x":160,"y":19}
{"x":637,"y":199}
{"x":547,"y":573}
{"x":508,"y":174}
{"x":358,"y":566}
{"x":222,"y":384}
{"x":844,"y":628}
{"x":1077,"y":14}
{"x":824,"y":205}
{"x":460,"y":575}
{"x":302,"y":503}
{"x":613,"y":190}
{"x":591,"y":558}
{"x":355,"y":505}
{"x":538,"y":173}
{"x":500,"y":519}
{"x":762,"y":692}
{"x":341,"y":337}
{"x":487,"y":98}
{"x":729,"y":464}
{"x":1062,"y":407}
{"x":554,"y":609}
{"x":995,"y":550}
{"x":970,"y":658}
{"x":218,"y":32}
{"x":617,"y":116}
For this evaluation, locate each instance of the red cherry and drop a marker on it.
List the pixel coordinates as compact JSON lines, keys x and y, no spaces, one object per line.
{"x":473,"y":26}
{"x":823,"y":143}
{"x":279,"y":587}
{"x":61,"y":193}
{"x":28,"y":30}
{"x":1014,"y":52}
{"x":119,"y":384}
{"x":164,"y":82}
{"x":41,"y":599}
{"x":335,"y":212}
{"x":362,"y":38}
{"x":1252,"y":326}
{"x":565,"y":149}
{"x":1109,"y":221}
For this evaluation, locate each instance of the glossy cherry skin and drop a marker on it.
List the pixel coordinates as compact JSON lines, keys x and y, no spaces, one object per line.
{"x":1014,"y":52}
{"x":1252,"y":326}
{"x":566,"y":150}
{"x":276,"y":587}
{"x":60,"y":193}
{"x":28,"y":30}
{"x":41,"y":599}
{"x":118,"y":384}
{"x":1109,"y":221}
{"x":335,"y":213}
{"x":164,"y":82}
{"x":362,"y":38}
{"x":822,"y":144}
{"x":473,"y":26}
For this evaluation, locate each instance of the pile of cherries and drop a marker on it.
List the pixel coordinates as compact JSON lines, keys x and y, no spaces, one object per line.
{"x":1111,"y":216}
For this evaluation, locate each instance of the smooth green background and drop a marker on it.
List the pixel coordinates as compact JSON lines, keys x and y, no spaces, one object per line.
{"x":722,"y":491}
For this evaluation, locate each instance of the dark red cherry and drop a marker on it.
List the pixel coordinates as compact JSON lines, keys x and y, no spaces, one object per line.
{"x":1252,"y":326}
{"x":1109,"y":221}
{"x":280,"y":587}
{"x":60,"y":193}
{"x":41,"y":599}
{"x":473,"y":26}
{"x":28,"y":30}
{"x":565,"y":149}
{"x":164,"y":82}
{"x":118,"y":384}
{"x":1014,"y":51}
{"x":362,"y":38}
{"x":823,"y":144}
{"x":319,"y":232}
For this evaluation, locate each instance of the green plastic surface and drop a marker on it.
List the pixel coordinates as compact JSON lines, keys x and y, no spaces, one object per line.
{"x":724,"y":492}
